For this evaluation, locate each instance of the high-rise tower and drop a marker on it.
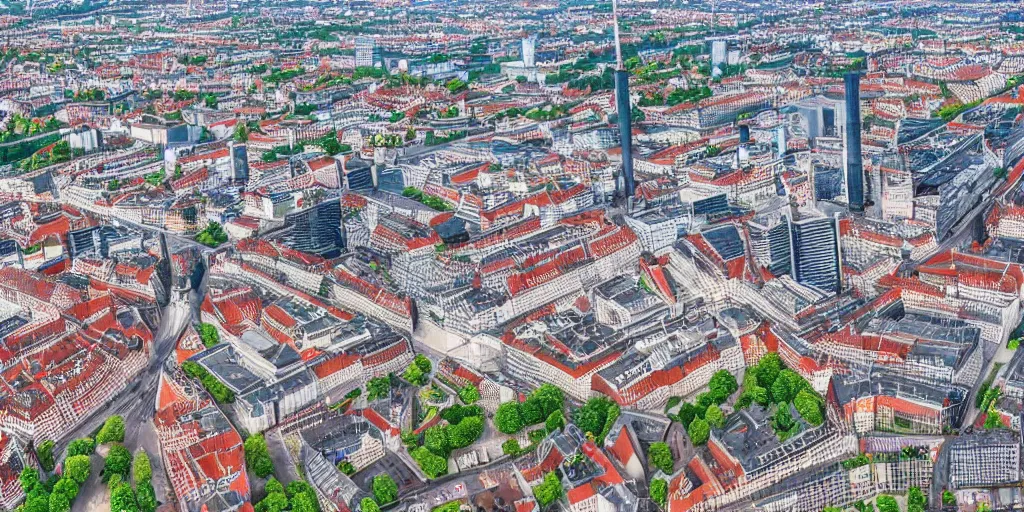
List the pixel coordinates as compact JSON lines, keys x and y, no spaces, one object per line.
{"x":854,"y":167}
{"x":624,"y":112}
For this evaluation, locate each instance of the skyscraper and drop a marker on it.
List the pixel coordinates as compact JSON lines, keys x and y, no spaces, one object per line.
{"x":815,"y":253}
{"x":365,"y":47}
{"x":854,"y":167}
{"x":530,"y":51}
{"x":625,"y":130}
{"x":317,"y":229}
{"x":624,"y":112}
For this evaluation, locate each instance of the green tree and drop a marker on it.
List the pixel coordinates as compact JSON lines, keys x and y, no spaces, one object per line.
{"x":368,"y":505}
{"x":37,"y":501}
{"x":433,"y":465}
{"x":146,"y":497}
{"x":83,"y":446}
{"x":29,"y":478}
{"x":378,"y":387}
{"x":112,"y":431}
{"x":414,"y":375}
{"x":887,"y":503}
{"x":659,"y":491}
{"x":551,"y":398}
{"x":510,"y":447}
{"x":714,"y":416}
{"x":508,"y":419}
{"x":78,"y":467}
{"x":45,"y":454}
{"x":274,"y":502}
{"x":423,"y":362}
{"x":660,"y":456}
{"x":809,"y":406}
{"x":948,"y":498}
{"x":465,"y":432}
{"x":67,"y":487}
{"x":208,"y":334}
{"x":469,"y":394}
{"x":916,"y":500}
{"x":385,"y":490}
{"x":241,"y":132}
{"x":59,"y":502}
{"x":722,"y":385}
{"x":257,"y":457}
{"x":699,"y":431}
{"x":118,"y":462}
{"x":768,"y":369}
{"x":122,"y":498}
{"x":549,"y":490}
{"x":142,"y":471}
{"x":436,"y":440}
{"x":555,"y":421}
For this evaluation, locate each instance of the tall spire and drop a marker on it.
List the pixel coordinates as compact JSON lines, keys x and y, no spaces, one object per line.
{"x":615,"y":30}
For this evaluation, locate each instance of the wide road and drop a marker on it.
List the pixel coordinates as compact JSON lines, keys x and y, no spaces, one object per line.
{"x":138,"y":402}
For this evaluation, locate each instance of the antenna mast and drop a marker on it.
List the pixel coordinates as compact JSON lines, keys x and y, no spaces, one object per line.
{"x":615,"y":29}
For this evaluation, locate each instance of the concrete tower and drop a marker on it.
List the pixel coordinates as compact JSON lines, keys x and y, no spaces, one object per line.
{"x":854,"y":166}
{"x":624,"y":112}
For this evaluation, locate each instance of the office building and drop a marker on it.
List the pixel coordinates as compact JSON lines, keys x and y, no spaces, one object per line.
{"x":815,"y":253}
{"x":364,"y":48}
{"x":854,"y":167}
{"x":530,"y":51}
{"x":316,"y":229}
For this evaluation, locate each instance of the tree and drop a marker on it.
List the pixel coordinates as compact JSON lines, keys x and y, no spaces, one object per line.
{"x":118,"y":462}
{"x":660,"y":456}
{"x":508,"y":419}
{"x":208,"y":334}
{"x":59,"y":502}
{"x":555,"y":421}
{"x":122,"y":499}
{"x":596,"y":417}
{"x":385,"y":490}
{"x":510,"y":447}
{"x":687,"y":412}
{"x":699,"y":431}
{"x":368,"y":505}
{"x":465,"y":432}
{"x":768,"y":369}
{"x":887,"y":503}
{"x":916,"y":500}
{"x":532,"y":412}
{"x":378,"y":387}
{"x":659,"y":491}
{"x":146,"y":497}
{"x":423,"y":362}
{"x":29,"y":479}
{"x":112,"y":431}
{"x":714,"y":416}
{"x":37,"y":501}
{"x":241,"y":132}
{"x":414,"y":375}
{"x":67,"y":487}
{"x":469,"y":394}
{"x":77,"y":467}
{"x":45,"y":454}
{"x":83,"y":446}
{"x":436,"y":440}
{"x":549,"y":490}
{"x":257,"y":457}
{"x":275,"y":502}
{"x":142,"y":471}
{"x":433,"y":465}
{"x":305,"y":502}
{"x":551,"y":398}
{"x":948,"y":498}
{"x":722,"y":385}
{"x":809,"y":406}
